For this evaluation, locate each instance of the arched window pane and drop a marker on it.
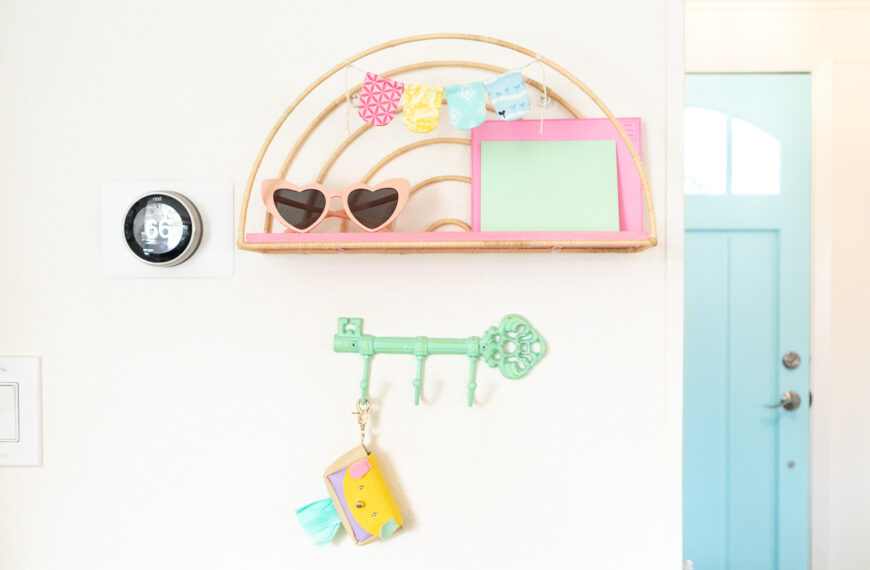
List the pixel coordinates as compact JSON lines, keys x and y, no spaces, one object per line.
{"x":706,"y":151}
{"x":754,"y":160}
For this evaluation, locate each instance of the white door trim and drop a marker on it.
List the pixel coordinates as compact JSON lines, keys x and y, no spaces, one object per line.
{"x":674,"y":226}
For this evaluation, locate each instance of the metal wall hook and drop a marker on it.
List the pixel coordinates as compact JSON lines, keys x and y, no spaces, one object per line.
{"x":418,"y":380}
{"x":514,"y":347}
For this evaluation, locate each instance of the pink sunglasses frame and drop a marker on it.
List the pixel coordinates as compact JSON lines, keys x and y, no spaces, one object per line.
{"x":270,"y":185}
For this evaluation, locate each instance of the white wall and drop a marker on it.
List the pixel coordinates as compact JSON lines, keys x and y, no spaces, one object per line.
{"x":185,"y":420}
{"x":828,"y":39}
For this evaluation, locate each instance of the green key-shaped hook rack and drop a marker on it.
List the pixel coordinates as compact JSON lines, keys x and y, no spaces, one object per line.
{"x":514,"y":347}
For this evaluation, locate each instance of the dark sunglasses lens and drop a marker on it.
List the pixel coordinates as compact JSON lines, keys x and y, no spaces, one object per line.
{"x":299,"y":209}
{"x":372,"y":208}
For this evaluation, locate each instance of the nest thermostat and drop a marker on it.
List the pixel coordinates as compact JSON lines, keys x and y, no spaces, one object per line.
{"x":162,"y":228}
{"x":166,"y":229}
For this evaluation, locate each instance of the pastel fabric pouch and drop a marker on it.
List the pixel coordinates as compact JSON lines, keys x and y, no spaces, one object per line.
{"x":466,"y":104}
{"x":379,"y":98}
{"x":361,"y":497}
{"x":508,"y":95}
{"x":422,"y":107}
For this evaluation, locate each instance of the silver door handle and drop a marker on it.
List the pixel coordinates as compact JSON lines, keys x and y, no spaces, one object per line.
{"x":790,"y":401}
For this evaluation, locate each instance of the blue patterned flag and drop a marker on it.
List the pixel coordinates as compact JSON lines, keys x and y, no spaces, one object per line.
{"x":508,"y":95}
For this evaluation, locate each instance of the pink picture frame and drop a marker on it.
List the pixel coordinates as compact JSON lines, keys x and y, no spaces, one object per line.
{"x":628,"y":179}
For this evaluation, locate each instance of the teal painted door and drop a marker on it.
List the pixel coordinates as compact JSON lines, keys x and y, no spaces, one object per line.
{"x":747,"y":303}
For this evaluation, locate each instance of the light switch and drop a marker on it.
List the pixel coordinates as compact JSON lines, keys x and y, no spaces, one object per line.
{"x":20,"y":412}
{"x":9,"y":411}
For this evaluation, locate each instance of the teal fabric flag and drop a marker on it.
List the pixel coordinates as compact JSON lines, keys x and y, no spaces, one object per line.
{"x":467,"y":104}
{"x":319,"y":520}
{"x":508,"y":95}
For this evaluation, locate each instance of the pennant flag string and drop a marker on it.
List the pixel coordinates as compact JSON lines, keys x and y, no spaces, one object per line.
{"x":379,"y":98}
{"x":544,"y":83}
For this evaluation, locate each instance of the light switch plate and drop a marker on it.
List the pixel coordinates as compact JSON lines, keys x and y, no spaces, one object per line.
{"x":22,"y":374}
{"x":214,"y":202}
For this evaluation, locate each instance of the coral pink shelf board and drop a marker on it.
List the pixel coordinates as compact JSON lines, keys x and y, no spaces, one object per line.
{"x":431,"y":237}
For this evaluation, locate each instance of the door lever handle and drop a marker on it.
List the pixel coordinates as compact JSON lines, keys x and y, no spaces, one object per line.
{"x":790,"y":401}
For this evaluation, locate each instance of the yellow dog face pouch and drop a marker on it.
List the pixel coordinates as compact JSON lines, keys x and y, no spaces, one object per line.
{"x":360,"y":500}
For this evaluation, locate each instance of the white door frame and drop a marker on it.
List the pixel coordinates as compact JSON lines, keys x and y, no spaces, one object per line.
{"x":733,"y":36}
{"x":674,"y":225}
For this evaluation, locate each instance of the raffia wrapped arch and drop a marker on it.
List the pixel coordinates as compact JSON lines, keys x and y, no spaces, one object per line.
{"x":436,"y":244}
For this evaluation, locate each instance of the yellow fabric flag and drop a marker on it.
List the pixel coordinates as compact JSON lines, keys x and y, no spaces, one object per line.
{"x":422,"y":107}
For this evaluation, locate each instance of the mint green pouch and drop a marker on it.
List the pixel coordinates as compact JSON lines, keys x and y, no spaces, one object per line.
{"x":466,"y":104}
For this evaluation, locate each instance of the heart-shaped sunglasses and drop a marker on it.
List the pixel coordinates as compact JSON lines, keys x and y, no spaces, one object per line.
{"x":301,"y":208}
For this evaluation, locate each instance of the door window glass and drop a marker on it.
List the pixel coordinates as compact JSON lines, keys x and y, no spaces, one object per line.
{"x":706,"y":151}
{"x":725,"y":154}
{"x":754,"y":159}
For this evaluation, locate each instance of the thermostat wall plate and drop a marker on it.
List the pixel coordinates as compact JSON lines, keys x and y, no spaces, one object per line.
{"x":169,"y":229}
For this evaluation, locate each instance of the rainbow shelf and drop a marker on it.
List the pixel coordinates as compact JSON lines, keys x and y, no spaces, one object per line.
{"x":445,"y":242}
{"x":635,"y":199}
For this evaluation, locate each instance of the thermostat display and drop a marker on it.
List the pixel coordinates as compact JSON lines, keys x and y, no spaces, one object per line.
{"x":162,"y":228}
